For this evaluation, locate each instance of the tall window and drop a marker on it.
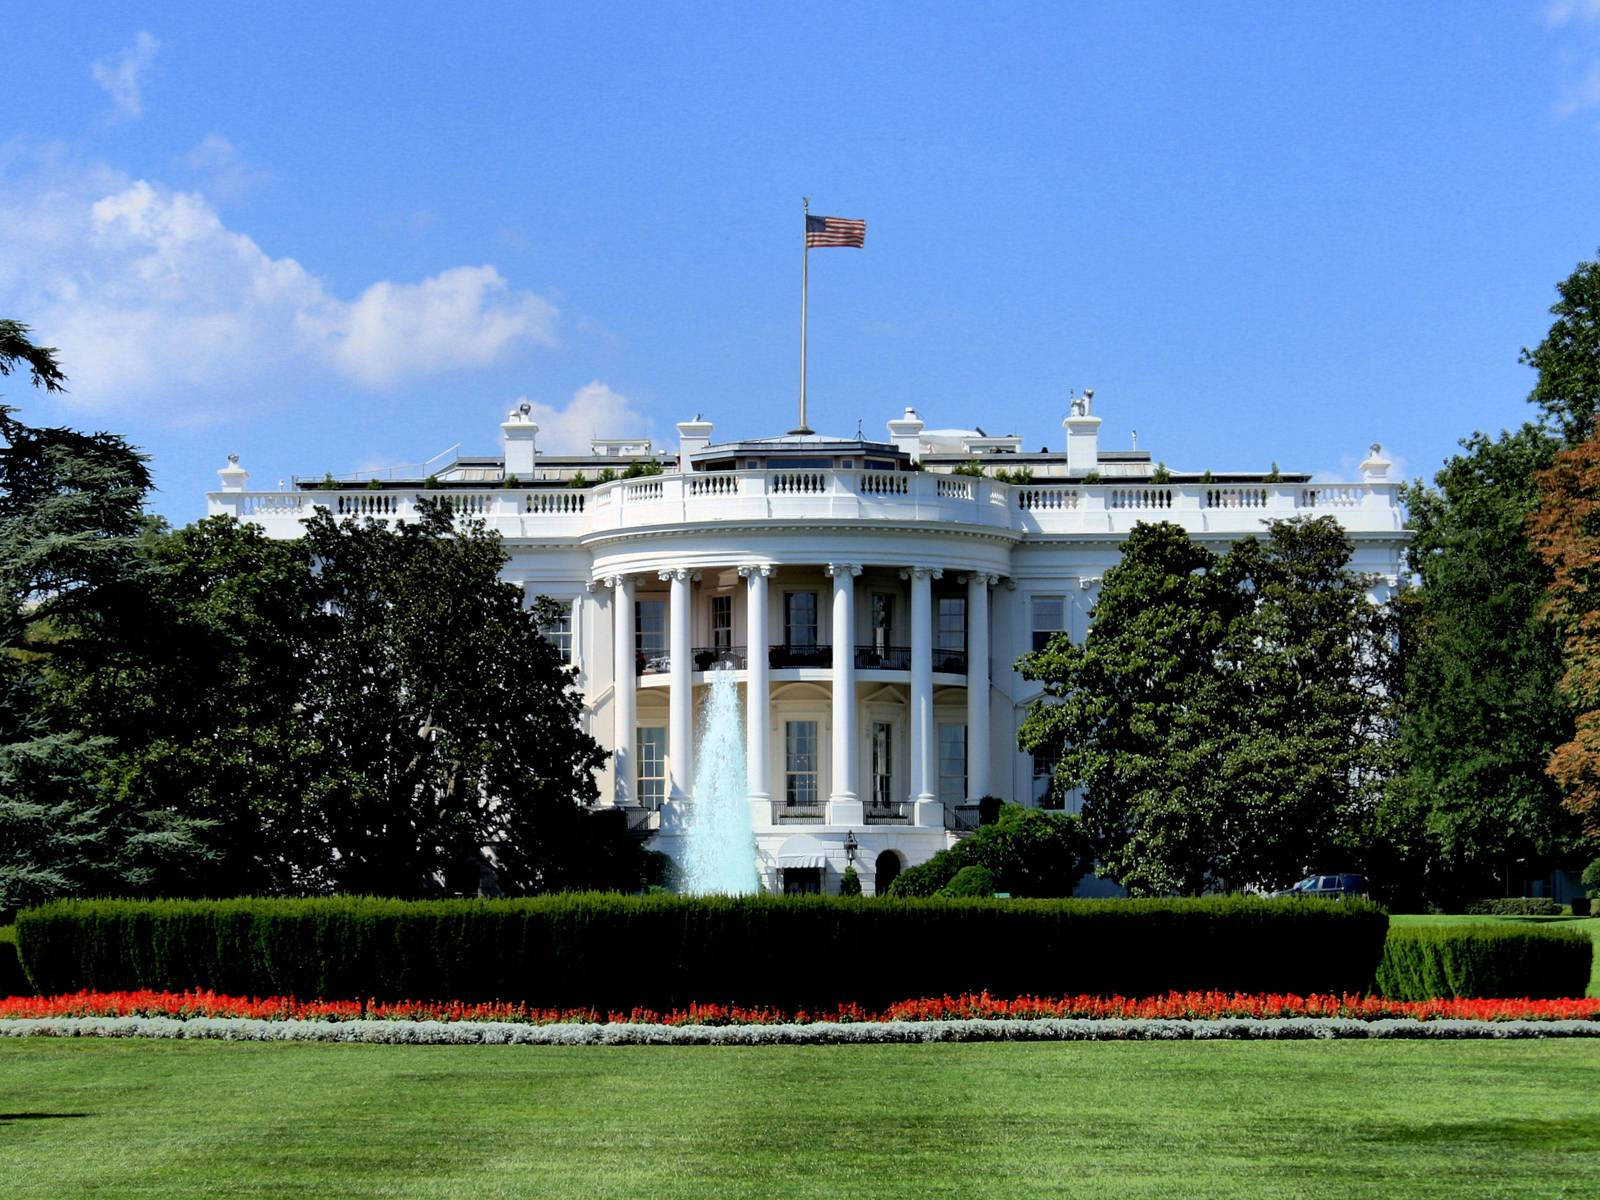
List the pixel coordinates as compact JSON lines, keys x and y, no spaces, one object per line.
{"x":1049,"y":619}
{"x":800,"y":620}
{"x":800,"y":764}
{"x":650,"y":627}
{"x":882,"y":764}
{"x":652,"y":765}
{"x":722,"y":622}
{"x":558,"y":629}
{"x":1042,"y":781}
{"x":952,"y":763}
{"x":882,"y":621}
{"x":951,"y":632}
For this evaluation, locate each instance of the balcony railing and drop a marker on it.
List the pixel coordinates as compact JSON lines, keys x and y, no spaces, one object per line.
{"x":961,"y":817}
{"x":889,"y":812}
{"x":950,"y":662}
{"x":798,"y":813}
{"x":647,"y":663}
{"x":708,"y":657}
{"x":800,"y":654}
{"x":883,"y":658}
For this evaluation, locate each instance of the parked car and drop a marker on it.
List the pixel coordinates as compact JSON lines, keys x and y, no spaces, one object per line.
{"x":1336,"y":887}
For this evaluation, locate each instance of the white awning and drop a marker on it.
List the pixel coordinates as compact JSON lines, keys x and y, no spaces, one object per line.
{"x":802,"y":850}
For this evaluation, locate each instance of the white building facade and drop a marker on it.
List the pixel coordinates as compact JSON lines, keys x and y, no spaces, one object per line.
{"x":871,"y":598}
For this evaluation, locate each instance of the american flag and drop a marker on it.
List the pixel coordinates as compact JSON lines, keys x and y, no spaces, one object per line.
{"x":835,"y":231}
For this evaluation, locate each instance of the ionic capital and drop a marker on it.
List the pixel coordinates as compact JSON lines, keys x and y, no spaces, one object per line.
{"x":682,"y":574}
{"x":754,"y":570}
{"x":843,"y":569}
{"x":617,"y":581}
{"x":921,"y":572}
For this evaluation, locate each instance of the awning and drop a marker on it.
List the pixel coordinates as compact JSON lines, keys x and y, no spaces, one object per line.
{"x":802,"y":850}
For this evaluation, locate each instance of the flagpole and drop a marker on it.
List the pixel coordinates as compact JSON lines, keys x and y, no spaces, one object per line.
{"x":805,"y":267}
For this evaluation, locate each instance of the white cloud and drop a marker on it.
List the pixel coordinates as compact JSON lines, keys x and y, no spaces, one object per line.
{"x":1580,"y":57}
{"x":1563,"y":12}
{"x":226,"y":173}
{"x":1349,"y":469}
{"x":594,"y":411}
{"x":146,"y":292}
{"x":120,"y":76}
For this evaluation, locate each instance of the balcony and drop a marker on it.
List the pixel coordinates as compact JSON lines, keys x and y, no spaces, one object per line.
{"x":950,"y":662}
{"x":889,"y":812}
{"x":707,"y":658}
{"x":961,"y":818}
{"x":797,"y":814}
{"x":800,"y":654}
{"x":883,"y":658}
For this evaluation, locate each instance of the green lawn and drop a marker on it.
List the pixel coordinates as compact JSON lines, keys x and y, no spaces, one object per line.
{"x":1347,"y":1119}
{"x":1589,"y":925}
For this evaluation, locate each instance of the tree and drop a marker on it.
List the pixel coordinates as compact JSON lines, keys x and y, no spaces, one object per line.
{"x":1482,"y":711}
{"x":1565,"y":531}
{"x":1568,"y":360}
{"x":71,"y":513}
{"x":1226,"y":714}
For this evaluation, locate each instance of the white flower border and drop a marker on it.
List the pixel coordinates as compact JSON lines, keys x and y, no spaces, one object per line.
{"x":821,"y":1033}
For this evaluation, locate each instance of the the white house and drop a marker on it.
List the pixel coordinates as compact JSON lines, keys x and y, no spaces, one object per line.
{"x":871,"y":596}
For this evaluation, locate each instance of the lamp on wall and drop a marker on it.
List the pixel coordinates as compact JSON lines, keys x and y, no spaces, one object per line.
{"x":850,"y":846}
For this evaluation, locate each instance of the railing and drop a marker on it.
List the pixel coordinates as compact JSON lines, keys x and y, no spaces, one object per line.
{"x":645,"y":663}
{"x":889,"y":812}
{"x":950,"y":662}
{"x":781,"y":495}
{"x":797,"y":813}
{"x":708,"y":657}
{"x":883,"y":658}
{"x":804,"y":654}
{"x":961,"y":817}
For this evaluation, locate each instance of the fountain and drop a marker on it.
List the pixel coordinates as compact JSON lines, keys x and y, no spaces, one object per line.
{"x":719,"y":848}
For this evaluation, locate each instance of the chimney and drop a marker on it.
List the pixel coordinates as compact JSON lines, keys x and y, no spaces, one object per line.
{"x":1375,"y":467}
{"x":1083,"y":435}
{"x":519,"y":432}
{"x":693,"y":437}
{"x":906,"y":434}
{"x":233,"y":476}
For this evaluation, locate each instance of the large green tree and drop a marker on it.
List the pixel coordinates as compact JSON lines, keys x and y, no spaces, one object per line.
{"x":71,"y":517}
{"x":1225,"y":715}
{"x":1567,"y":392}
{"x":1482,"y":709}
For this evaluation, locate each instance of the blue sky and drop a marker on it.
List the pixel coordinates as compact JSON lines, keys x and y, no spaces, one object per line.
{"x":335,"y":237}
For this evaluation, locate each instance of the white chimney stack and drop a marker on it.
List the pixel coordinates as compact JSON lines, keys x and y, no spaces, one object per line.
{"x":1083,"y":435}
{"x":234,"y":477}
{"x":693,"y":437}
{"x":520,"y":432}
{"x":906,"y":434}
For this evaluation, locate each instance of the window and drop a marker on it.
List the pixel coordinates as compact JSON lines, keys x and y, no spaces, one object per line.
{"x":800,"y":620}
{"x":650,"y":626}
{"x":558,"y":629}
{"x":802,"y":881}
{"x":952,"y":763}
{"x":1049,"y":619}
{"x":722,"y":622}
{"x":800,"y":764}
{"x":882,"y":621}
{"x":1042,"y":768}
{"x":652,"y":760}
{"x":951,"y":632}
{"x":882,"y":764}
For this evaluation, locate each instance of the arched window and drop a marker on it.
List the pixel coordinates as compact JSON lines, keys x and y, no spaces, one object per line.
{"x":884,"y":871}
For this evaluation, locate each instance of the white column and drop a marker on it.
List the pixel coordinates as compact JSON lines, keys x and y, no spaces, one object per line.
{"x":978,"y":686}
{"x":924,"y":771}
{"x":757,"y":694}
{"x":623,"y":695}
{"x":844,"y":802}
{"x":680,"y":697}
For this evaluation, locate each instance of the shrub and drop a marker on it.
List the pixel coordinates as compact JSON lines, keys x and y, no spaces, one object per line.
{"x":1591,"y":878}
{"x":12,"y":981}
{"x":1515,"y":906}
{"x":1027,"y":851}
{"x":973,"y":468}
{"x":850,"y":883}
{"x":970,"y":881}
{"x":614,"y":953}
{"x":1425,"y":961}
{"x":1581,"y":906}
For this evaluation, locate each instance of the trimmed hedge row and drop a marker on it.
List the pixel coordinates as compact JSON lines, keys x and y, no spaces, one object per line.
{"x":12,"y":981}
{"x":1516,"y":906}
{"x":1421,"y":962}
{"x":619,"y":952}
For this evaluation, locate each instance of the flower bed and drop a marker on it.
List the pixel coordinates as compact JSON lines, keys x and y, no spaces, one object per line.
{"x":1174,"y":1006}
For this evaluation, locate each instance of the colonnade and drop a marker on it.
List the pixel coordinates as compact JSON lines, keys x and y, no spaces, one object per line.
{"x":844,"y":803}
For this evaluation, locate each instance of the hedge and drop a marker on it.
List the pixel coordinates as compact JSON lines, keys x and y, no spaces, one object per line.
{"x":614,"y":953}
{"x":12,"y":981}
{"x":1421,"y":962}
{"x":1516,"y":906}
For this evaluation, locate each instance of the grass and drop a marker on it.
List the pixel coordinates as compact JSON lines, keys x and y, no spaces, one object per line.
{"x":1348,"y":1119}
{"x":1589,"y":925}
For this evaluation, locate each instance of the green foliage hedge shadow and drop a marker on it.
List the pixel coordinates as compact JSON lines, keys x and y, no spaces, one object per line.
{"x":1421,"y":962}
{"x":618,"y":952}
